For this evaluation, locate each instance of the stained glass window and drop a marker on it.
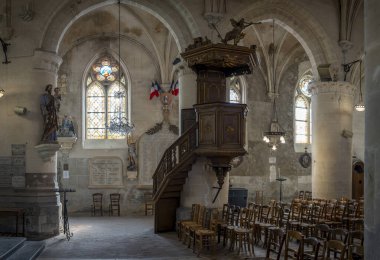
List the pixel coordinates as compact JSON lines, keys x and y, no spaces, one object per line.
{"x":106,"y":99}
{"x":105,"y":69}
{"x":235,"y":90}
{"x":304,"y":84}
{"x":302,"y":111}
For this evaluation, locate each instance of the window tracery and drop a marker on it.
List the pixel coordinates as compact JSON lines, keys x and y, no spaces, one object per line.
{"x":106,"y":98}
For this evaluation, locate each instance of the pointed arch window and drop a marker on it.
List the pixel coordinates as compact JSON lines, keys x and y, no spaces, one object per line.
{"x":235,"y":90}
{"x":106,"y":98}
{"x":302,"y":112}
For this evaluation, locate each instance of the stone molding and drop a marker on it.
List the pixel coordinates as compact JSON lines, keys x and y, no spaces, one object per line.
{"x":183,"y":69}
{"x":341,"y":87}
{"x":47,"y":61}
{"x":66,"y":143}
{"x":46,"y":151}
{"x":41,"y":181}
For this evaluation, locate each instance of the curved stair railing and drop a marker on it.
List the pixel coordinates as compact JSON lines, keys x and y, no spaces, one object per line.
{"x":176,"y":159}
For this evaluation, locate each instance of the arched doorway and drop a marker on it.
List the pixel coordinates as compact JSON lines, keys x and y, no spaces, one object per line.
{"x":357,"y":179}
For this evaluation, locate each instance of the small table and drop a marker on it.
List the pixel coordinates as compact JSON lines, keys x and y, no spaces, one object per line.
{"x":280,"y":179}
{"x":17,"y":213}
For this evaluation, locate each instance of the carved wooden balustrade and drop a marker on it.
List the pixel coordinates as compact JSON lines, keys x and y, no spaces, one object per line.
{"x":176,"y":159}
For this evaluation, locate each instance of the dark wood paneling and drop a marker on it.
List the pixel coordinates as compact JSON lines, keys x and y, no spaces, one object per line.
{"x":188,"y":118}
{"x":165,"y":215}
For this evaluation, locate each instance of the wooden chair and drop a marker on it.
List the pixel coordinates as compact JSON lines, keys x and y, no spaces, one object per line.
{"x":308,"y":195}
{"x":114,"y":206}
{"x":217,"y":223}
{"x":355,"y":237}
{"x":311,"y":248}
{"x":294,"y":252}
{"x":355,"y":252}
{"x":189,"y":227}
{"x":275,"y":243}
{"x":259,"y":197}
{"x":333,"y":247}
{"x":193,"y":219}
{"x":243,"y":234}
{"x":149,"y":206}
{"x":339,"y":234}
{"x":205,"y":237}
{"x":97,"y":203}
{"x":306,"y":226}
{"x":229,"y":229}
{"x":322,"y":232}
{"x":263,"y":224}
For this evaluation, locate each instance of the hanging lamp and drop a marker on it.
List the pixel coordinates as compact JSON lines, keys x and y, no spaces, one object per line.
{"x":360,"y":105}
{"x":120,"y":124}
{"x":275,"y":135}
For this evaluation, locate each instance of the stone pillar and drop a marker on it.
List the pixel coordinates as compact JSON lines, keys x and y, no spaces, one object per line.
{"x":332,"y":108}
{"x":199,"y":187}
{"x":41,"y":174}
{"x":372,"y":129}
{"x":187,"y":81}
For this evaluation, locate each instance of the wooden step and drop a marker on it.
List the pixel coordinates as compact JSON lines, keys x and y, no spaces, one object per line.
{"x":172,"y":194}
{"x":175,"y":182}
{"x":171,"y":188}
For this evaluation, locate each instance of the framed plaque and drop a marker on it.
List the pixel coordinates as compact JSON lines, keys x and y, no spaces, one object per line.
{"x":105,"y":172}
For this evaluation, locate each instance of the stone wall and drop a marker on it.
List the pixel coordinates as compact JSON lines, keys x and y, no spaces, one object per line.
{"x":253,"y":173}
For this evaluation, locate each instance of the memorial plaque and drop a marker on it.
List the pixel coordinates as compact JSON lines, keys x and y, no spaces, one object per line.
{"x":5,"y":172}
{"x":18,"y":181}
{"x":18,"y":149}
{"x":106,"y":172}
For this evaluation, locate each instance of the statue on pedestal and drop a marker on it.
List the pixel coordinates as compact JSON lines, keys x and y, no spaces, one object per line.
{"x":49,"y":114}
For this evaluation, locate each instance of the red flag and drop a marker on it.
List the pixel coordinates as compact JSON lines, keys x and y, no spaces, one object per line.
{"x":175,"y":89}
{"x":153,"y":91}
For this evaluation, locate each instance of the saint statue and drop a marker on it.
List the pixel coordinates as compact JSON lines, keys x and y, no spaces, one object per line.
{"x":49,"y":115}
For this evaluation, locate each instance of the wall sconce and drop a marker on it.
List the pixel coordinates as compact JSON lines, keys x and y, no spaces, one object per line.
{"x":2,"y":92}
{"x":20,"y":110}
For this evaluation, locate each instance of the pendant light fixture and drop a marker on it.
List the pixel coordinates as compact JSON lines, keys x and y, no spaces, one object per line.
{"x":275,"y":135}
{"x":360,"y":105}
{"x":120,"y":124}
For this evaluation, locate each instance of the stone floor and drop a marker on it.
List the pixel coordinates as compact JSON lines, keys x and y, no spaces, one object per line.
{"x":123,"y":238}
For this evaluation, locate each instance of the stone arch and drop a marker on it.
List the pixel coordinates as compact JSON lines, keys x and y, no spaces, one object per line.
{"x":301,"y":24}
{"x":182,"y":26}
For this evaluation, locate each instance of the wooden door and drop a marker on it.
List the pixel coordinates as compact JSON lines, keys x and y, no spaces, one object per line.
{"x":357,"y":179}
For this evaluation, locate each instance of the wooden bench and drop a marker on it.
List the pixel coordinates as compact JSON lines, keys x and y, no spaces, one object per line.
{"x":19,"y":214}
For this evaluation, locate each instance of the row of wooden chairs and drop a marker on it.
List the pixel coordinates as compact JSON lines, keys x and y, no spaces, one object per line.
{"x":245,"y":227}
{"x":199,"y":231}
{"x":113,"y":207}
{"x":305,"y":195}
{"x":298,"y":247}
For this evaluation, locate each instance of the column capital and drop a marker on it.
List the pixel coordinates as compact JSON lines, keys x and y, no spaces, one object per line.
{"x":342,"y":87}
{"x":46,"y":60}
{"x":183,"y":69}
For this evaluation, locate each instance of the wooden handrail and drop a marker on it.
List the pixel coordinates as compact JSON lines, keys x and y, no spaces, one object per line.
{"x":180,"y":151}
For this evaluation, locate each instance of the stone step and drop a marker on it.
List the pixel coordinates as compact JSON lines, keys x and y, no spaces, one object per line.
{"x":29,"y":251}
{"x":8,"y":245}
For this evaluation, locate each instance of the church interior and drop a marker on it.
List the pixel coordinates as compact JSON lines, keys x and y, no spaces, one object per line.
{"x":239,"y":126}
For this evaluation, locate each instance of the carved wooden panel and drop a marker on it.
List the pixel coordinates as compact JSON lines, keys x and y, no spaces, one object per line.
{"x":207,"y":123}
{"x":211,"y":87}
{"x":231,"y":129}
{"x":188,"y":118}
